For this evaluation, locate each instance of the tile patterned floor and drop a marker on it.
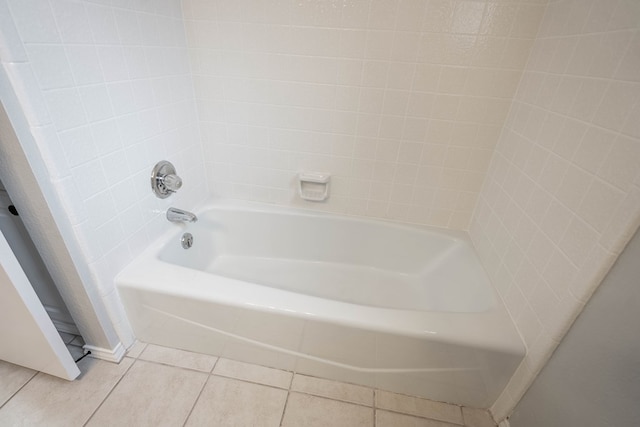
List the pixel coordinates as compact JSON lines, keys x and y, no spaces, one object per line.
{"x":157,"y":386}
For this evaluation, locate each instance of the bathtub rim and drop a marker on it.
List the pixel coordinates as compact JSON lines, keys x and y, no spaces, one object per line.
{"x":230,"y":204}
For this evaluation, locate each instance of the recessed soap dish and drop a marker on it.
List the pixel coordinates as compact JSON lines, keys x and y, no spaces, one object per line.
{"x":313,"y":186}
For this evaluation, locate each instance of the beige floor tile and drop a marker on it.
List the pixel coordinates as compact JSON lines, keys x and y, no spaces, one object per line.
{"x":136,"y":349}
{"x":230,"y":402}
{"x":151,"y":394}
{"x":420,"y":407}
{"x":254,"y":373}
{"x":332,"y":389}
{"x":312,"y":411}
{"x":477,"y":418}
{"x":12,"y":377}
{"x":50,"y":401}
{"x":394,"y":419}
{"x":179,"y":358}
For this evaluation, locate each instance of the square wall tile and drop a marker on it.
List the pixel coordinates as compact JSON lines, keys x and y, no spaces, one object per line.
{"x":396,"y":72}
{"x":558,"y":160}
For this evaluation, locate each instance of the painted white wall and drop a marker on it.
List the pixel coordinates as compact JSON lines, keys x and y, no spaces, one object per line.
{"x":107,"y":92}
{"x":562,"y":195}
{"x":592,"y":378}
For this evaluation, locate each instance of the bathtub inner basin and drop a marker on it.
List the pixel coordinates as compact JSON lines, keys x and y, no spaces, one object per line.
{"x":368,"y":263}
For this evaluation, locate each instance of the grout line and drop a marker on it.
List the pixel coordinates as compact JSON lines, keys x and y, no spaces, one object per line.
{"x":395,"y":411}
{"x":422,"y":417}
{"x":250,"y":381}
{"x":110,"y":391}
{"x":373,"y":410}
{"x":284,"y":409}
{"x":253,"y":381}
{"x":73,"y":337}
{"x":293,"y":375}
{"x":349,"y":402}
{"x":374,"y":407}
{"x":144,"y":348}
{"x":464,"y":421}
{"x":18,"y":390}
{"x":195,"y":402}
{"x":176,"y":366}
{"x":214,"y":365}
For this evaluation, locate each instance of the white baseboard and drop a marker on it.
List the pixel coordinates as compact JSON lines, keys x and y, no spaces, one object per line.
{"x":114,"y":355}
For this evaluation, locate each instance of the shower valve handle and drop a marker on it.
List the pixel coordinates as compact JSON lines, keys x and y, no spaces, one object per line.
{"x":172,"y":182}
{"x":164,"y":180}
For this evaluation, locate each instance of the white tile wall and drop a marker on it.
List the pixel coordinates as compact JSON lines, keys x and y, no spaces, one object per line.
{"x":107,"y":89}
{"x":562,"y":196}
{"x":402,"y":101}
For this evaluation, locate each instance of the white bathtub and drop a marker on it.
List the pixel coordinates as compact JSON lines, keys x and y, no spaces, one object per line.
{"x":394,"y":307}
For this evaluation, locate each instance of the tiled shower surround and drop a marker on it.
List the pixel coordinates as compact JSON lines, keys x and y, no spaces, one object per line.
{"x":562,"y":196}
{"x":107,"y":91}
{"x":411,"y":105}
{"x":401,"y":101}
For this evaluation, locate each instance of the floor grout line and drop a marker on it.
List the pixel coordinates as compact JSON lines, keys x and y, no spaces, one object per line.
{"x":110,"y":391}
{"x":422,"y":417}
{"x":198,"y":398}
{"x":249,"y":381}
{"x":176,"y":366}
{"x":293,"y":376}
{"x":321,"y":393}
{"x":375,"y":408}
{"x":214,"y":365}
{"x":201,"y":390}
{"x":284,"y":408}
{"x":21,"y":387}
{"x":289,"y":390}
{"x":286,"y":402}
{"x":349,"y":402}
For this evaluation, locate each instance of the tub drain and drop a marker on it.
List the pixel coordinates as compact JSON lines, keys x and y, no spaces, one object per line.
{"x":187,"y":240}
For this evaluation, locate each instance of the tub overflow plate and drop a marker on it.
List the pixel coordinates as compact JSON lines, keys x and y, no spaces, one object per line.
{"x":187,"y":240}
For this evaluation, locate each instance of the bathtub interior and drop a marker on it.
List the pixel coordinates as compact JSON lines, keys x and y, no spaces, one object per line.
{"x":362,"y":262}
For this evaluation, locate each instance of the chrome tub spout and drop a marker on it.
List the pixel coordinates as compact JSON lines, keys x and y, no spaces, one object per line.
{"x":178,"y":215}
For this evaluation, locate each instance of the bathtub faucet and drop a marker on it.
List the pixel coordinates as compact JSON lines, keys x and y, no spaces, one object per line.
{"x":178,"y":215}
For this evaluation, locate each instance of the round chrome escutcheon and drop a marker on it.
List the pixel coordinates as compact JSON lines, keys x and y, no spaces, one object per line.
{"x":187,"y":240}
